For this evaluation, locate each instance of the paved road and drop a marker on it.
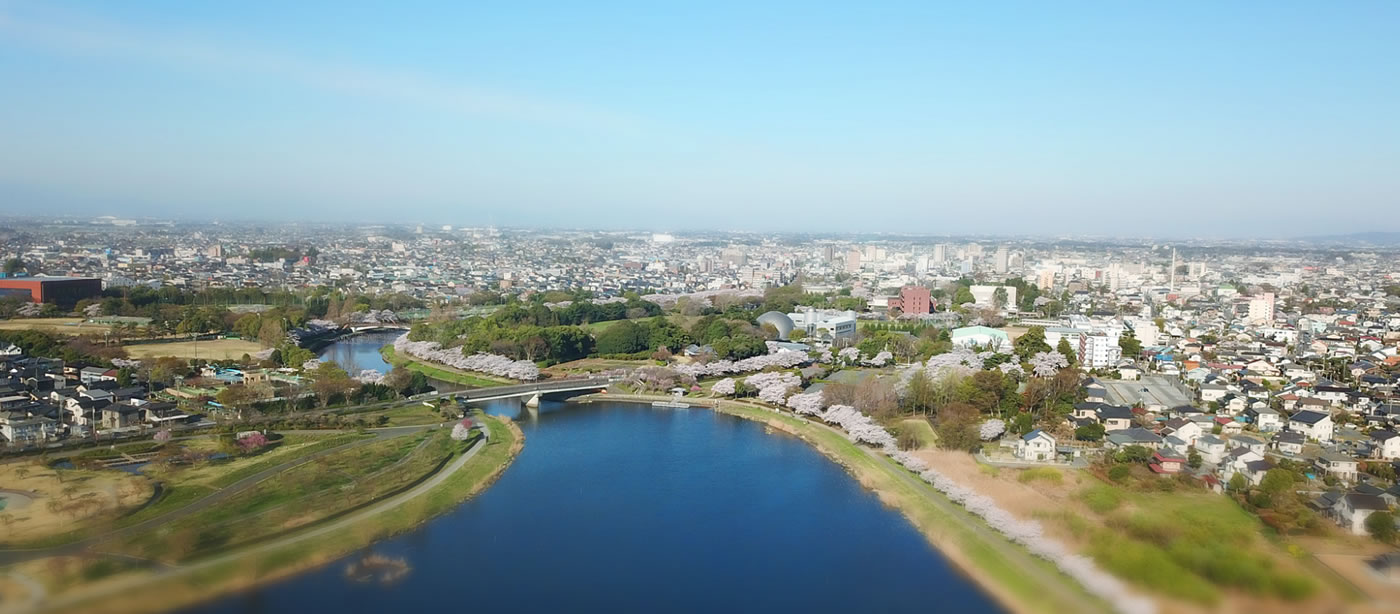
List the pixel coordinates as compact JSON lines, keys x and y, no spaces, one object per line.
{"x":64,"y":604}
{"x":8,"y":557}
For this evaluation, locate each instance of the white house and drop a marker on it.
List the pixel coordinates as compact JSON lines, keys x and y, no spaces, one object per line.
{"x":1036,"y":445}
{"x":1211,"y":449}
{"x":1183,"y":429}
{"x":1266,"y":419}
{"x":1385,"y":445}
{"x":1314,"y":425}
{"x":1352,"y":510}
{"x":1337,"y":465}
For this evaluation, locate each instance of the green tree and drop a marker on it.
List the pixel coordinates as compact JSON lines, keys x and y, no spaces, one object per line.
{"x":1381,"y":525}
{"x":1132,"y":348}
{"x":624,"y":337}
{"x":963,"y":295}
{"x":1276,"y":482}
{"x":999,"y":298}
{"x":1068,"y":352}
{"x":1193,"y":459}
{"x":13,"y":266}
{"x":1134,"y":454}
{"x":1031,"y":342}
{"x":1238,"y":483}
{"x":1089,"y":432}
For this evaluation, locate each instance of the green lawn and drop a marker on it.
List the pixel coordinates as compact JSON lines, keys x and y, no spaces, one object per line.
{"x":922,"y":430}
{"x":1185,"y":544}
{"x":299,"y":496}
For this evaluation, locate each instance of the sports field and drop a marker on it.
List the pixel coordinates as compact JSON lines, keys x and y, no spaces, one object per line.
{"x":218,"y":349}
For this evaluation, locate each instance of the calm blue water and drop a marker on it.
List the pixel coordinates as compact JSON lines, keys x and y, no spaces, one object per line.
{"x":625,"y":508}
{"x":361,"y":352}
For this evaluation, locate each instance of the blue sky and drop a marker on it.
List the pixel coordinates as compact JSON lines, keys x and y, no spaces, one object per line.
{"x":1167,"y":119}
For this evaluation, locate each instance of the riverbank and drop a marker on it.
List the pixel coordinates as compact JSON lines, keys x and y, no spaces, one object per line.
{"x":183,"y":585}
{"x":1018,"y":580}
{"x":440,"y":372}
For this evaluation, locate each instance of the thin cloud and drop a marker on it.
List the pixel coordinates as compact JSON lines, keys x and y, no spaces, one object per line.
{"x":80,"y":35}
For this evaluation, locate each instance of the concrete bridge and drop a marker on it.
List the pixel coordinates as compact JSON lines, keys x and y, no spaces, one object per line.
{"x":532,"y":391}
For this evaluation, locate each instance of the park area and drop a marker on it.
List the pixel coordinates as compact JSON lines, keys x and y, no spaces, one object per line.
{"x":216,"y":349}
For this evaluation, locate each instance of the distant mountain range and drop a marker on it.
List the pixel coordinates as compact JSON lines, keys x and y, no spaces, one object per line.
{"x":1357,"y":238}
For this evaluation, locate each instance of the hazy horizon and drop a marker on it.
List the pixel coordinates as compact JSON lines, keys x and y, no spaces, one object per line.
{"x":1251,"y":120}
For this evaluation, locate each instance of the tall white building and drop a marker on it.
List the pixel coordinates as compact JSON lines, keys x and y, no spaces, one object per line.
{"x":940,"y":253}
{"x":1261,"y":309}
{"x":1002,"y":262}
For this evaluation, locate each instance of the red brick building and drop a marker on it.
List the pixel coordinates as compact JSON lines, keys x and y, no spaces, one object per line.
{"x":913,"y":300}
{"x":60,"y":290}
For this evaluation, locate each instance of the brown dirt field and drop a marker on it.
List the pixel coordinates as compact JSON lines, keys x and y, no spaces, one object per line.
{"x":91,"y":495}
{"x":218,"y":349}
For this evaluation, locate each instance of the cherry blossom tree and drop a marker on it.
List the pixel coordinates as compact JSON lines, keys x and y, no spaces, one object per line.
{"x":1047,"y":364}
{"x":462,"y":431}
{"x":724,"y":387}
{"x":252,"y":441}
{"x":491,"y":364}
{"x":807,"y":403}
{"x":162,"y":436}
{"x":849,"y":355}
{"x":880,"y":359}
{"x":992,"y":429}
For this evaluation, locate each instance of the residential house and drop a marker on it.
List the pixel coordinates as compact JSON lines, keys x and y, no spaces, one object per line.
{"x":1167,"y":462}
{"x":1314,"y":425}
{"x":1115,"y":418}
{"x":1289,"y":443}
{"x":1338,"y":465}
{"x":1183,"y":429}
{"x":1036,"y":445}
{"x":1136,"y":436}
{"x":1352,"y":510}
{"x":1385,"y":444}
{"x":120,"y":416}
{"x":1211,"y":449}
{"x":1266,"y":419}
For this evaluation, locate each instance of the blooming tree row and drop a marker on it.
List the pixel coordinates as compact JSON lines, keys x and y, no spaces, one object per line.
{"x":370,"y":376}
{"x":773,"y":386}
{"x":492,"y":364}
{"x":783,"y":359}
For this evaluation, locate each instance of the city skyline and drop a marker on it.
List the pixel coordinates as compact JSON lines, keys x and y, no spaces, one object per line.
{"x":1182,"y":121}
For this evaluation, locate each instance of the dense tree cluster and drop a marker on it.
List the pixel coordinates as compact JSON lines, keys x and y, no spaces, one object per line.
{"x":454,"y":357}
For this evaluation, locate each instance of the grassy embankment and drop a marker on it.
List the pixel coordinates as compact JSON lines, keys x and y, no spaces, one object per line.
{"x":312,"y":547}
{"x":181,"y":485}
{"x":1195,"y":546}
{"x":298,"y":497}
{"x":440,"y":372}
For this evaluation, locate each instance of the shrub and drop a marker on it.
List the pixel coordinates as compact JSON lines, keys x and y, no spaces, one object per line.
{"x":1102,"y":499}
{"x":1048,"y":474}
{"x":1117,"y":473}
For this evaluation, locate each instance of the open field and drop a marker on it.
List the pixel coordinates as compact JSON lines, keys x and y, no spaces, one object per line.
{"x":43,"y":502}
{"x":217,"y":349}
{"x":67,"y":326}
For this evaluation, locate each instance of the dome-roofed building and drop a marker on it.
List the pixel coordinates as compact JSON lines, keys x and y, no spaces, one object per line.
{"x":778,"y":320}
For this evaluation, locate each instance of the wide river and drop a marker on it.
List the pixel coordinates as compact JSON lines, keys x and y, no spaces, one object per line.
{"x":615,"y":507}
